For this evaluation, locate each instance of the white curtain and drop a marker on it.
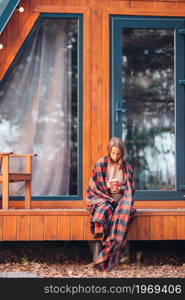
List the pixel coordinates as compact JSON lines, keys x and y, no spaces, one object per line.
{"x":35,"y":109}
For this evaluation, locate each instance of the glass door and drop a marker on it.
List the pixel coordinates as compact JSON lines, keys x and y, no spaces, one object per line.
{"x":147,"y":101}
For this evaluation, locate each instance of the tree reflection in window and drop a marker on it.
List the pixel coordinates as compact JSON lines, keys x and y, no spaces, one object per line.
{"x":148,"y":126}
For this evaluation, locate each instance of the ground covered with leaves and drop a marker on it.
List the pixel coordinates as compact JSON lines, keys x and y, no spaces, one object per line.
{"x":157,"y":259}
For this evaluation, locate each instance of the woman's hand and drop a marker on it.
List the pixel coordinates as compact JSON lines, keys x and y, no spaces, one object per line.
{"x":109,"y":185}
{"x":114,"y":188}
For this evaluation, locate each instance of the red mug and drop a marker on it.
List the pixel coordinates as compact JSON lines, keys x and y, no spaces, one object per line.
{"x":114,"y":182}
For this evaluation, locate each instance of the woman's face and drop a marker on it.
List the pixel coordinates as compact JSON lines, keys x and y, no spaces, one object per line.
{"x":115,"y":154}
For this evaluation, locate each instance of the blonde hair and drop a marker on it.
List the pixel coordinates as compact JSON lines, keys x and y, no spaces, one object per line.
{"x":117,"y":142}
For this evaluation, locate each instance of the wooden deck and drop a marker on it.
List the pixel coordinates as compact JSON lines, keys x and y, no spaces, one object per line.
{"x":73,"y":224}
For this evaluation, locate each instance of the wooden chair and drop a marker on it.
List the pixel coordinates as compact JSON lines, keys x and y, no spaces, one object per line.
{"x":7,"y":177}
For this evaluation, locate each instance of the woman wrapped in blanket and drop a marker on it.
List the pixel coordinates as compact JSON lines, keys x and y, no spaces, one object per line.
{"x":110,"y":202}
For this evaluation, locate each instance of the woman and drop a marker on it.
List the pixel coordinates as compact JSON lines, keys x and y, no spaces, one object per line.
{"x":111,"y":204}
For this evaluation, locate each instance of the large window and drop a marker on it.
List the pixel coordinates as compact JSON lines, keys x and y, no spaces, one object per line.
{"x":148,"y":102}
{"x":41,"y":107}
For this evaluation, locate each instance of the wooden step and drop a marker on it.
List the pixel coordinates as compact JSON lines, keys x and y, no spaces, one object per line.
{"x":85,"y":212}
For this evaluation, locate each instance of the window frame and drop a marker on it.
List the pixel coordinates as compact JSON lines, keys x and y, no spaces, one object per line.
{"x":7,"y":12}
{"x":25,"y":44}
{"x":117,"y":22}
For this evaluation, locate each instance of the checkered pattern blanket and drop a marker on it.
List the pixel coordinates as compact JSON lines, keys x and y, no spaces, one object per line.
{"x":108,"y":216}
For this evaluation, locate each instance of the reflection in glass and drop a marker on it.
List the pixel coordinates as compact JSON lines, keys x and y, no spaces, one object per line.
{"x":39,"y":108}
{"x":3,"y":5}
{"x":148,"y":125}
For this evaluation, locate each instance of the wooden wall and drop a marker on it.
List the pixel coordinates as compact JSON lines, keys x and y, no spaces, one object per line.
{"x":95,"y":65}
{"x":43,"y":225}
{"x":33,"y":225}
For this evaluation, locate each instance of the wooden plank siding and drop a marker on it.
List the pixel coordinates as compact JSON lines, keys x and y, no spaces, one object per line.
{"x":157,"y":228}
{"x":64,"y":228}
{"x":50,"y":227}
{"x":10,"y":228}
{"x":144,"y":228}
{"x":180,"y":228}
{"x":1,"y":227}
{"x":33,"y":225}
{"x":23,"y":228}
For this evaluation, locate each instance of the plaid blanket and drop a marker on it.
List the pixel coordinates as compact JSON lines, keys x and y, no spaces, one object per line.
{"x":110,"y":218}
